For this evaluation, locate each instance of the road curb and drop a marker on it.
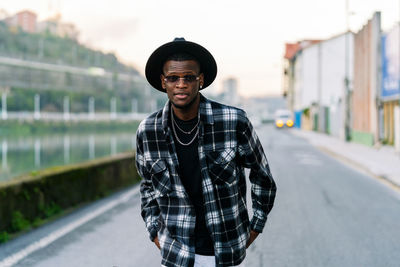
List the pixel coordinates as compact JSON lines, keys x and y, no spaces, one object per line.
{"x":359,"y":167}
{"x":343,"y":158}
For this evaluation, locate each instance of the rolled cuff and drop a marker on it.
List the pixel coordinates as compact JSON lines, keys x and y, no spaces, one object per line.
{"x":153,"y":230}
{"x":257,"y":224}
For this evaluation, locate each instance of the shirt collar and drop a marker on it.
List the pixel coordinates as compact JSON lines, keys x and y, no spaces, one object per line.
{"x":205,"y":109}
{"x":206,"y":113}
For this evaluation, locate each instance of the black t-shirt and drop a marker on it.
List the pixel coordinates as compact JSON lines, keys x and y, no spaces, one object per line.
{"x":189,"y":173}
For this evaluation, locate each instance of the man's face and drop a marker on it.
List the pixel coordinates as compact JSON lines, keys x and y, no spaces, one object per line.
{"x":182,"y":93}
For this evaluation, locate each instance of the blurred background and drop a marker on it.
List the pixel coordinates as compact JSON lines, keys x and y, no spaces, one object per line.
{"x":73,"y":89}
{"x":64,"y":62}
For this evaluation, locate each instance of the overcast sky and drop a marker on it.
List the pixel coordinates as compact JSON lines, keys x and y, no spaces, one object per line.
{"x":246,"y":37}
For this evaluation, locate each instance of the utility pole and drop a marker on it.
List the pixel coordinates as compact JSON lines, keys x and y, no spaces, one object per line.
{"x":397,"y":110}
{"x":321,"y":120}
{"x":346,"y":78}
{"x":398,"y":51}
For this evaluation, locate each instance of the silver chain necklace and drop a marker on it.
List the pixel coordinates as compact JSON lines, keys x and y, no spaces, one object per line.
{"x":186,"y":132}
{"x":176,"y":136}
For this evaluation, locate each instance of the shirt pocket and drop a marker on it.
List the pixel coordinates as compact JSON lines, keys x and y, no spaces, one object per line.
{"x":160,"y":177}
{"x":222,"y":166}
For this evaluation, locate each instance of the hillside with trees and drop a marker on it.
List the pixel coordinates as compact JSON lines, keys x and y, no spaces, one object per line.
{"x":53,"y":86}
{"x":49,"y":48}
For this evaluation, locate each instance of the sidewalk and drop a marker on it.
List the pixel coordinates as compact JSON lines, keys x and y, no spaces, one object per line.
{"x":383,"y":162}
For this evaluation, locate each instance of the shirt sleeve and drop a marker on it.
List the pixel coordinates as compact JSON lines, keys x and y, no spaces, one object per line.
{"x":149,"y":206}
{"x":263,"y":187}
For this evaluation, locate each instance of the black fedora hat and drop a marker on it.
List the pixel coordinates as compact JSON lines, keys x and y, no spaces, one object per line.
{"x":157,"y":59}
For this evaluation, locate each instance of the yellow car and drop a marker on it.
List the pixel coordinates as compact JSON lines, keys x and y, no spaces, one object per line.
{"x":283,"y":118}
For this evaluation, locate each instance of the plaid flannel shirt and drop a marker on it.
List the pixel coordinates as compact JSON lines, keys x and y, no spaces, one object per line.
{"x":227,"y":144}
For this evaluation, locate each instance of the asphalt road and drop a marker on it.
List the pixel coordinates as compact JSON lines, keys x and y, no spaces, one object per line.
{"x":326,"y":214}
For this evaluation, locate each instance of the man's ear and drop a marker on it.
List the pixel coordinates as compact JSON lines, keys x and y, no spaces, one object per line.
{"x":162,"y":81}
{"x":201,"y":80}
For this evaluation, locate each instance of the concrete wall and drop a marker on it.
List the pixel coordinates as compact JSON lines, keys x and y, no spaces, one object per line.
{"x":333,"y":67}
{"x":298,"y":82}
{"x":320,"y":72}
{"x":36,"y":196}
{"x":311,"y":72}
{"x":367,"y":65}
{"x":333,"y":74}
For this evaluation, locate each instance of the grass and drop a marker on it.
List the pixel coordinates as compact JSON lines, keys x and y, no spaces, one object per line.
{"x":49,"y":214}
{"x":20,"y":224}
{"x":4,"y":237}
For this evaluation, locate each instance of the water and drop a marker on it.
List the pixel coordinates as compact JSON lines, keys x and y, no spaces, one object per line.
{"x":25,"y":154}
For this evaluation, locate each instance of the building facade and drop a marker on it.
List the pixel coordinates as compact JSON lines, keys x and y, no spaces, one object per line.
{"x":292,"y":77}
{"x":316,"y":83}
{"x":55,"y":26}
{"x":25,"y":19}
{"x":390,"y":90}
{"x":367,"y":73}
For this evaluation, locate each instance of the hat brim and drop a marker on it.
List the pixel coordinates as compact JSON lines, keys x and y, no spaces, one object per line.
{"x":157,"y":59}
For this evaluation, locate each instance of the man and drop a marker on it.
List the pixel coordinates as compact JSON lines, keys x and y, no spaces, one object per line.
{"x":191,"y":156}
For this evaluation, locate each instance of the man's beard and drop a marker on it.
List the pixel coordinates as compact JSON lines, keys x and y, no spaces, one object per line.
{"x":186,"y":106}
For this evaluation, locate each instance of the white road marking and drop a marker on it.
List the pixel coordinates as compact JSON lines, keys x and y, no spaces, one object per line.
{"x":45,"y":241}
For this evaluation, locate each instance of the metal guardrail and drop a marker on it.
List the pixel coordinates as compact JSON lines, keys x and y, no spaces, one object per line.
{"x":59,"y":116}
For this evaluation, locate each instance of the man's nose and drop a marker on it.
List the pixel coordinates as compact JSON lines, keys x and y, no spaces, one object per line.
{"x":181,"y":82}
